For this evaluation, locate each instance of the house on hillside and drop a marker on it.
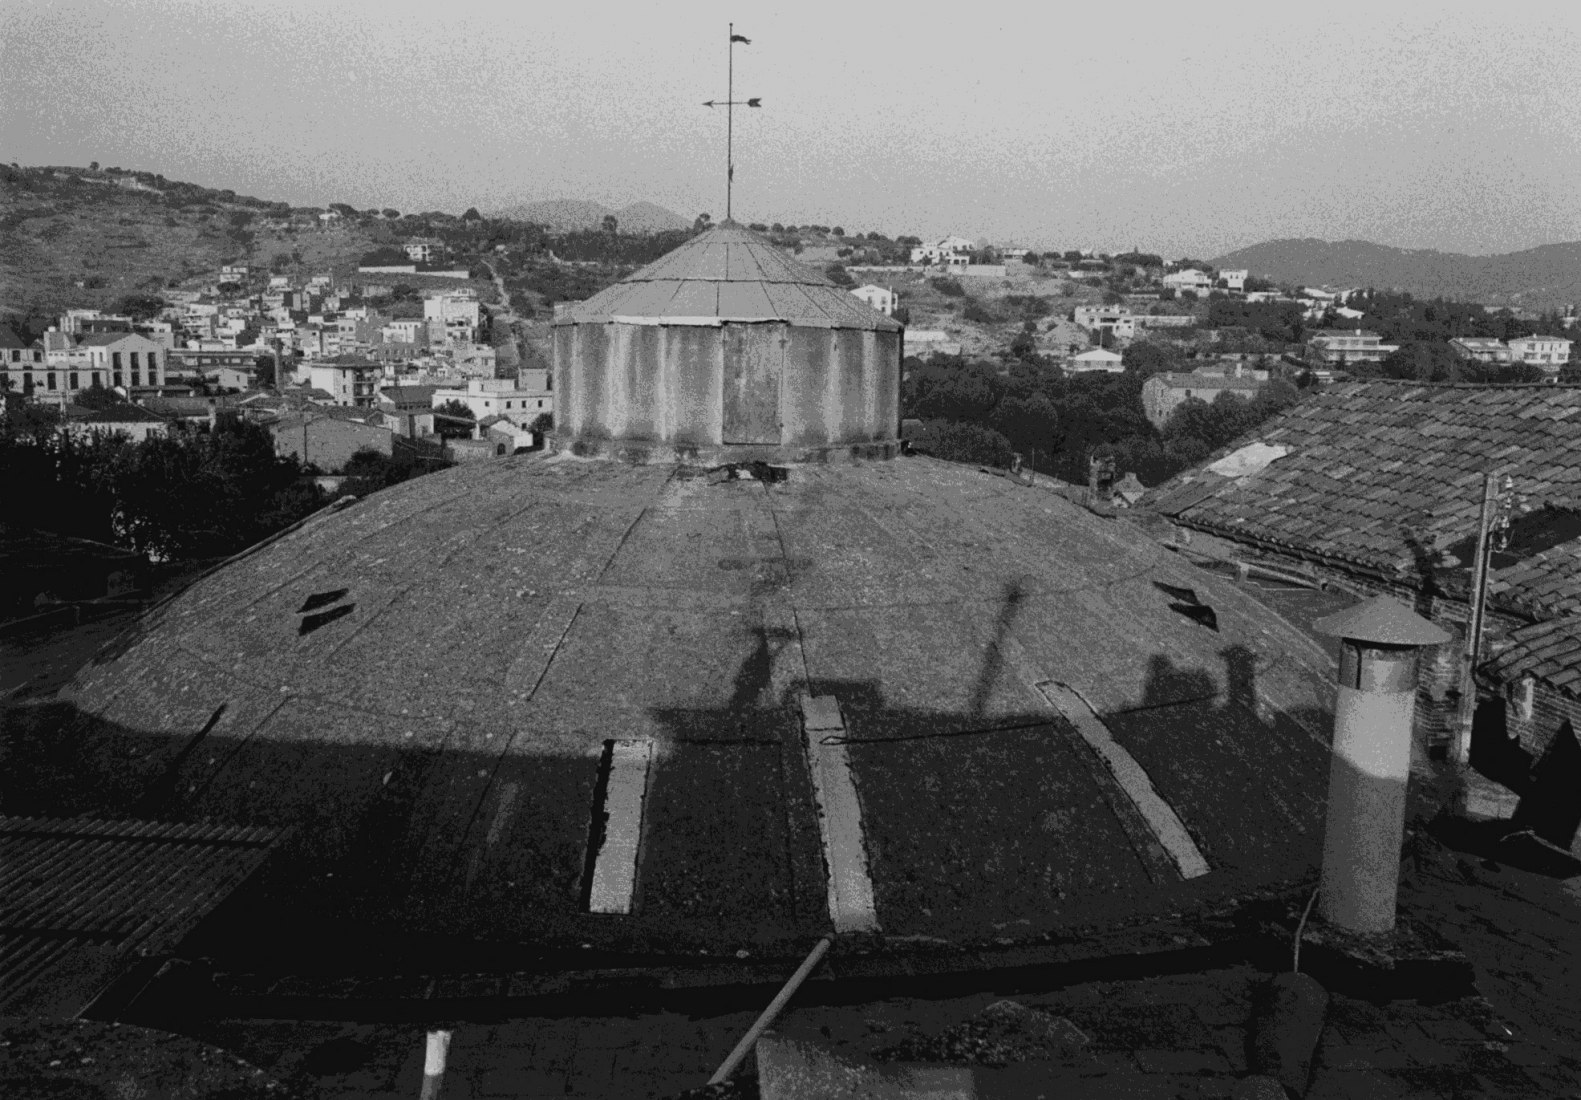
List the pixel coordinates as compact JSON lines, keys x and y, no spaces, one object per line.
{"x":1190,"y":278}
{"x":880,"y":298}
{"x":949,"y":252}
{"x":1234,"y":280}
{"x":1548,"y":352}
{"x":1115,"y":319}
{"x":1337,"y":347}
{"x":1098,"y":359}
{"x":1376,"y":487}
{"x":1165,"y":392}
{"x":1480,"y":349}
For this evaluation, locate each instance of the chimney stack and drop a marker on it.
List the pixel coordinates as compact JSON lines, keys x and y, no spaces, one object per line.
{"x":1371,"y":760}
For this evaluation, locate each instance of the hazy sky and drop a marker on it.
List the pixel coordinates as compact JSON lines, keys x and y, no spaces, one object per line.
{"x":1178,"y":128}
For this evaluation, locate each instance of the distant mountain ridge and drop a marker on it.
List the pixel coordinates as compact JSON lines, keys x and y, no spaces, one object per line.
{"x":564,"y":215}
{"x":1536,"y":278}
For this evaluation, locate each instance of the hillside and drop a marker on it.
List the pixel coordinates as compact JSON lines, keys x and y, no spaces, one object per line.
{"x":1536,"y":278}
{"x":567,"y":215}
{"x":77,"y":237}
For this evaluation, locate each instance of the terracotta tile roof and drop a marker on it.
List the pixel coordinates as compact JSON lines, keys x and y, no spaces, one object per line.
{"x":1388,"y":476}
{"x":1548,"y":651}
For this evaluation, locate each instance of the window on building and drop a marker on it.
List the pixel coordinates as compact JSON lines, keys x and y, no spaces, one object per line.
{"x":132,"y":358}
{"x":115,"y":360}
{"x":27,"y":379}
{"x":50,"y":381}
{"x":74,"y":383}
{"x":116,"y":376}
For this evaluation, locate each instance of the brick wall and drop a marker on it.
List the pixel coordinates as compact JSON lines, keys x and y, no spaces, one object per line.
{"x":1550,"y":710}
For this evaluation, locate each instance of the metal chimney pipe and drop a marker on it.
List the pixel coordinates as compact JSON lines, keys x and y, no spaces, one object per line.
{"x":1371,"y":759}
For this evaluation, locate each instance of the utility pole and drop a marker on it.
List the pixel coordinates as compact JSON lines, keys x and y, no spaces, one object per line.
{"x":1460,"y":746}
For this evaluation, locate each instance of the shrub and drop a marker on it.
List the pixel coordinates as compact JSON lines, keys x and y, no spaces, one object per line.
{"x":948,"y":287}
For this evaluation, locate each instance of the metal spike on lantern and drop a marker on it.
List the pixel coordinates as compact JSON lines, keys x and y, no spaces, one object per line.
{"x":730,"y":103}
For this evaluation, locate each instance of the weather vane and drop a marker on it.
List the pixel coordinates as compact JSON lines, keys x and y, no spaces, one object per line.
{"x":730,"y":103}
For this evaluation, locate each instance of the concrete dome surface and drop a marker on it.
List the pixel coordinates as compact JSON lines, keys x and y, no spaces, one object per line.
{"x":426,"y":684}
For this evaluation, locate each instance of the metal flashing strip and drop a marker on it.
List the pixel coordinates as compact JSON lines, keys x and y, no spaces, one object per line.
{"x":1132,"y":778}
{"x":615,"y":865}
{"x":851,"y":904}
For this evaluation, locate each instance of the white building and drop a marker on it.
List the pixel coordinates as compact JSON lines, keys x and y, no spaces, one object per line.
{"x":950,"y":251}
{"x":880,"y":298}
{"x":1548,"y":352}
{"x":105,"y":359}
{"x":1189,"y":279}
{"x":452,"y":317}
{"x":519,"y":401}
{"x":1234,"y":280}
{"x":353,"y":383}
{"x":1098,"y":359}
{"x":1116,"y":319}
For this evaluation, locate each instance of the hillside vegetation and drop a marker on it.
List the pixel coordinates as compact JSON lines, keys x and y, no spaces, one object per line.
{"x":1537,"y":278}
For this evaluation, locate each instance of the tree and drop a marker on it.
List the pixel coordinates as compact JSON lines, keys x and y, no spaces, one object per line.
{"x":140,"y":307}
{"x":611,"y":225}
{"x":703,"y":222}
{"x":391,"y":214}
{"x":838,"y":275}
{"x":978,"y":313}
{"x":1145,"y":357}
{"x":93,"y":166}
{"x":838,"y":231}
{"x":453,"y":412}
{"x":970,"y":443}
{"x":472,"y":215}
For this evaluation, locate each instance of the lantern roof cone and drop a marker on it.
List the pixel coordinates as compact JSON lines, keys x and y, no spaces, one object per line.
{"x":1381,"y":620}
{"x":728,"y":273}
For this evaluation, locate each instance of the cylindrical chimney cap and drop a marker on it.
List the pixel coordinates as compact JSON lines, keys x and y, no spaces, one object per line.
{"x":1381,"y":621}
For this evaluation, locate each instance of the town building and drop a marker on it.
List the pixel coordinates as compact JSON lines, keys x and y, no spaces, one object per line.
{"x":1191,"y":278}
{"x":1548,"y":352}
{"x":1480,"y":349}
{"x":22,"y":362}
{"x":1117,"y":320}
{"x":880,"y":298}
{"x":1337,"y":347}
{"x":1234,"y":280}
{"x":326,"y":440}
{"x":109,"y":360}
{"x":497,"y":397}
{"x":348,"y":382}
{"x":950,"y":252}
{"x":1163,"y":393}
{"x":452,"y":317}
{"x":125,"y":419}
{"x":1097,"y":359}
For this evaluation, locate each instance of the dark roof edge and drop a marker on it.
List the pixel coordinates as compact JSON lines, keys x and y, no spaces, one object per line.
{"x":1532,"y":614}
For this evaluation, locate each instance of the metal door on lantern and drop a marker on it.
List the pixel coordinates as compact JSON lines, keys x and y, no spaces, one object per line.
{"x":754,"y":368}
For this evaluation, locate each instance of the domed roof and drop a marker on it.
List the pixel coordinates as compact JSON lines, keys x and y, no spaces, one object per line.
{"x":426,"y":686}
{"x":727,"y":274}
